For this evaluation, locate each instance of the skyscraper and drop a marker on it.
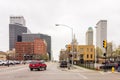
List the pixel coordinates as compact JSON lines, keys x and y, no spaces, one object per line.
{"x":101,"y":33}
{"x":17,"y":20}
{"x":89,"y":36}
{"x":16,"y":28}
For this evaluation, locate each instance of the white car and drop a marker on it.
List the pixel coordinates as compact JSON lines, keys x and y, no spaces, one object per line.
{"x":11,"y":62}
{"x":1,"y":62}
{"x":17,"y":62}
{"x":8,"y":62}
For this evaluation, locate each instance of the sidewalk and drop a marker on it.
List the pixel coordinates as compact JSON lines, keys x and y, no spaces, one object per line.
{"x":12,"y":67}
{"x":80,"y":68}
{"x":75,"y":68}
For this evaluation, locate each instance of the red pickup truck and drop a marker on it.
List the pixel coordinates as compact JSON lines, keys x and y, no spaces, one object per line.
{"x":37,"y":65}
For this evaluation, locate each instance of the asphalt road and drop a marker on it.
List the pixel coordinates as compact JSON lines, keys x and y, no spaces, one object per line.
{"x":53,"y":72}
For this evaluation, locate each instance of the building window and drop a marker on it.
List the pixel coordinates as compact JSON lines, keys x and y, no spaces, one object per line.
{"x":91,"y":56}
{"x":19,"y":38}
{"x":87,"y":56}
{"x":81,"y":49}
{"x":91,"y":49}
{"x":75,"y":56}
{"x":87,"y":49}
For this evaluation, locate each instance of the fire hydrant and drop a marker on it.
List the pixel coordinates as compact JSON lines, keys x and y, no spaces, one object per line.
{"x":113,"y":69}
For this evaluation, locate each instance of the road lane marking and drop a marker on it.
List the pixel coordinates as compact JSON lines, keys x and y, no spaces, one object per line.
{"x":12,"y":71}
{"x":101,"y":73}
{"x":84,"y":77}
{"x":13,"y":67}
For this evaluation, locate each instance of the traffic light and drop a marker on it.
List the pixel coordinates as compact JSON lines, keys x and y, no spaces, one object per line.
{"x":104,"y":43}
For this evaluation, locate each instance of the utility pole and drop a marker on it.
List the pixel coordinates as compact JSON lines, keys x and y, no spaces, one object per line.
{"x":105,"y":54}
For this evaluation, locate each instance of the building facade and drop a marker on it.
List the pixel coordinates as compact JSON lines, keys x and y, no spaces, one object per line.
{"x":83,"y":53}
{"x":63,"y":56}
{"x":40,"y":46}
{"x":101,"y":33}
{"x":3,"y":55}
{"x":27,"y":50}
{"x":17,"y":20}
{"x":31,"y":37}
{"x":24,"y":50}
{"x":89,"y":36}
{"x":80,"y":53}
{"x":86,"y":52}
{"x":11,"y":53}
{"x":16,"y":28}
{"x":109,"y":49}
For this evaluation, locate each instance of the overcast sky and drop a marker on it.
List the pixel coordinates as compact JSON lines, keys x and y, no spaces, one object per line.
{"x":42,"y":15}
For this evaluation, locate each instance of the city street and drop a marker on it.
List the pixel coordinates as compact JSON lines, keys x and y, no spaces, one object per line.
{"x":53,"y":72}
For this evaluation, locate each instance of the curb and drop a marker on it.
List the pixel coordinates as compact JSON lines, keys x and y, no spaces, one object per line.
{"x":12,"y":67}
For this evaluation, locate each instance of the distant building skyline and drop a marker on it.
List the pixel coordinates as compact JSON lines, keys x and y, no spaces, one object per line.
{"x":89,"y":36}
{"x":19,"y":33}
{"x":101,"y":33}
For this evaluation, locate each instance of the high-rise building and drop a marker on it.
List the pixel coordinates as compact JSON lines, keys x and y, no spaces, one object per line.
{"x":101,"y":33}
{"x":89,"y":36}
{"x":30,"y":37}
{"x":16,"y":28}
{"x":17,"y":20}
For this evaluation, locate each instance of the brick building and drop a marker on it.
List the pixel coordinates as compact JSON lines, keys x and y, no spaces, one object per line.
{"x":26,"y":50}
{"x":40,"y":46}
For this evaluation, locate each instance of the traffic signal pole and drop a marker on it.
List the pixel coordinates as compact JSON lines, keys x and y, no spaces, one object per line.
{"x":105,"y":59}
{"x":105,"y":54}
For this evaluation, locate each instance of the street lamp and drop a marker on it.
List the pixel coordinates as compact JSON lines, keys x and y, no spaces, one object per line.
{"x":72,"y":37}
{"x":95,"y":49}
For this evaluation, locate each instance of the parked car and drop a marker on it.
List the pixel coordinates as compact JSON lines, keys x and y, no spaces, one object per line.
{"x":107,"y":66}
{"x":63,"y":64}
{"x":4,"y":62}
{"x":23,"y":62}
{"x":8,"y":62}
{"x":118,"y":69}
{"x":28,"y":61}
{"x":17,"y":62}
{"x":1,"y":62}
{"x":37,"y":65}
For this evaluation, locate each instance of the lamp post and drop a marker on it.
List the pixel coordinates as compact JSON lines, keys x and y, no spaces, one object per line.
{"x":95,"y":49}
{"x":72,"y":37}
